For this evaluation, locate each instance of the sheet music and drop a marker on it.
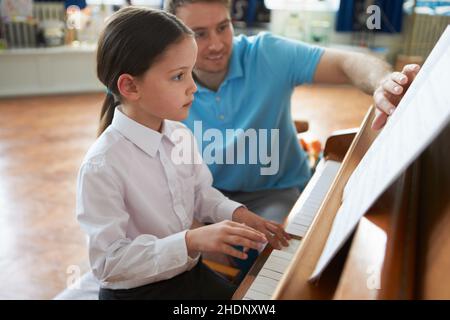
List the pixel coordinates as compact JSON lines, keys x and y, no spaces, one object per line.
{"x":309,"y":202}
{"x":420,"y":117}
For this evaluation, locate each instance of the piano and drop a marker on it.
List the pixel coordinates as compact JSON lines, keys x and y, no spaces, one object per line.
{"x":400,"y":247}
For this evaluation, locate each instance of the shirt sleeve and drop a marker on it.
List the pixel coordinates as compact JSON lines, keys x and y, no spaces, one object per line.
{"x":293,"y":60}
{"x":117,"y":261}
{"x":210,"y":204}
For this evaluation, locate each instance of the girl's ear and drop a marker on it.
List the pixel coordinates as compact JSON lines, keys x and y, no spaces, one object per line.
{"x":126,"y":84}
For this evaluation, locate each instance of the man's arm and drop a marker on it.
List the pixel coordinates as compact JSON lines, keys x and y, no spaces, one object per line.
{"x":372,"y":75}
{"x":342,"y":67}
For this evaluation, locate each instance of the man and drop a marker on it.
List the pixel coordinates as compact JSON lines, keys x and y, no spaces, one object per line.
{"x":246,"y":83}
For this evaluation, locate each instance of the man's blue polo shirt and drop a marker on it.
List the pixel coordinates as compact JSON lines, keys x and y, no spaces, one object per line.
{"x":256,"y":94}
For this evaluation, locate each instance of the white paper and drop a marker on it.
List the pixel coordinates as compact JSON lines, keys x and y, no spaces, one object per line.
{"x":420,"y":117}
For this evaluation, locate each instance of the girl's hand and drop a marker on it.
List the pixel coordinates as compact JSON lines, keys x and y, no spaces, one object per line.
{"x":274,"y":232}
{"x":221,"y":237}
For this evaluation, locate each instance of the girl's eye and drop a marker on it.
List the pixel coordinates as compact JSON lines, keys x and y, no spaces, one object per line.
{"x":178,"y":77}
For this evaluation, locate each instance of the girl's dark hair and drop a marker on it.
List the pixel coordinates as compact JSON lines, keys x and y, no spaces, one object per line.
{"x":133,"y":39}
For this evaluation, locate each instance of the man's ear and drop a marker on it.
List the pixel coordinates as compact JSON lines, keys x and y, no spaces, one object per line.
{"x":126,"y":84}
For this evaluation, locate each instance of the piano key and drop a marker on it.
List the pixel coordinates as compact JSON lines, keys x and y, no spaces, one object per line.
{"x":310,"y":200}
{"x":278,"y":261}
{"x":266,"y":282}
{"x":255,"y":295}
{"x":293,"y":246}
{"x":270,"y":274}
{"x":282,"y":254}
{"x":273,"y":269}
{"x":297,"y":229}
{"x":263,"y":288}
{"x":302,"y":220}
{"x":275,"y":266}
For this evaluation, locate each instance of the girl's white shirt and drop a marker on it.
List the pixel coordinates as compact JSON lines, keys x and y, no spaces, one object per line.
{"x":136,"y":204}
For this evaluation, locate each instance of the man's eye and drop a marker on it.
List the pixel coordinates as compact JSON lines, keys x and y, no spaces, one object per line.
{"x":200,"y":34}
{"x":222,"y":28}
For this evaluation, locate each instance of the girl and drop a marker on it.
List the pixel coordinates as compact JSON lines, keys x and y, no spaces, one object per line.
{"x":134,"y":201}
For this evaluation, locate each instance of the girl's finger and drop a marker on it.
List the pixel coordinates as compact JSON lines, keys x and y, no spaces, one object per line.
{"x":247,"y":232}
{"x":273,"y":240}
{"x":229,"y":250}
{"x":239,"y":241}
{"x":279,"y":232}
{"x":243,"y":225}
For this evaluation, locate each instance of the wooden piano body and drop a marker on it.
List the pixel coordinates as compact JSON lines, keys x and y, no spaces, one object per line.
{"x":401,"y":247}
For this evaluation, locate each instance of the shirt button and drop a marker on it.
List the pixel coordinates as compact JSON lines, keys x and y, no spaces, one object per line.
{"x":218,"y":99}
{"x":221,"y":117}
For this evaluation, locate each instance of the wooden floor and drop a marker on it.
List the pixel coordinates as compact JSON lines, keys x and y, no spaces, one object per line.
{"x":42,"y":143}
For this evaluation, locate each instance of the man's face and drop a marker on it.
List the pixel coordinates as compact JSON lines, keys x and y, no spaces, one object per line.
{"x":213,"y":33}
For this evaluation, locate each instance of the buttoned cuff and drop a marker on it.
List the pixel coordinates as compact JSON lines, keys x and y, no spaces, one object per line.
{"x":225,"y":210}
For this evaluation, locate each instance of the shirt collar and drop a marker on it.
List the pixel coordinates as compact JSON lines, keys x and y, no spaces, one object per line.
{"x":146,"y":139}
{"x":235,"y":69}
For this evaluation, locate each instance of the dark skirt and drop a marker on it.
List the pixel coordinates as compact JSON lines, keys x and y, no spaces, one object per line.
{"x":200,"y":283}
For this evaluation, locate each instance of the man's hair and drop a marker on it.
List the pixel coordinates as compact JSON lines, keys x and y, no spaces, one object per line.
{"x":172,"y":5}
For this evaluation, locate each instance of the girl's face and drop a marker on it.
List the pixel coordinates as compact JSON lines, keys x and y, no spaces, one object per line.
{"x":166,"y":90}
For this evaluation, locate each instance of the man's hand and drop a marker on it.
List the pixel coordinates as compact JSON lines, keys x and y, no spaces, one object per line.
{"x":274,"y":232}
{"x":391,"y":90}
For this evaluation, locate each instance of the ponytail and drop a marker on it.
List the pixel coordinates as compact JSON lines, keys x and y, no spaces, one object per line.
{"x":107,"y":113}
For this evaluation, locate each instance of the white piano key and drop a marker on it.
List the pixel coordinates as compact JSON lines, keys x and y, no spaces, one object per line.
{"x":280,"y":264}
{"x":293,"y":246}
{"x":273,"y":269}
{"x":266,"y":281}
{"x":255,"y":295}
{"x":282,"y":254}
{"x":296,"y":229}
{"x":270,"y":274}
{"x":262,"y":288}
{"x":310,"y":200}
{"x":299,"y":225}
{"x":303,"y":220}
{"x":274,"y":266}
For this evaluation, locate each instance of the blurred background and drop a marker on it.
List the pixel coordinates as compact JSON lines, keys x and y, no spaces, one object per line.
{"x":50,"y":101}
{"x":58,"y":37}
